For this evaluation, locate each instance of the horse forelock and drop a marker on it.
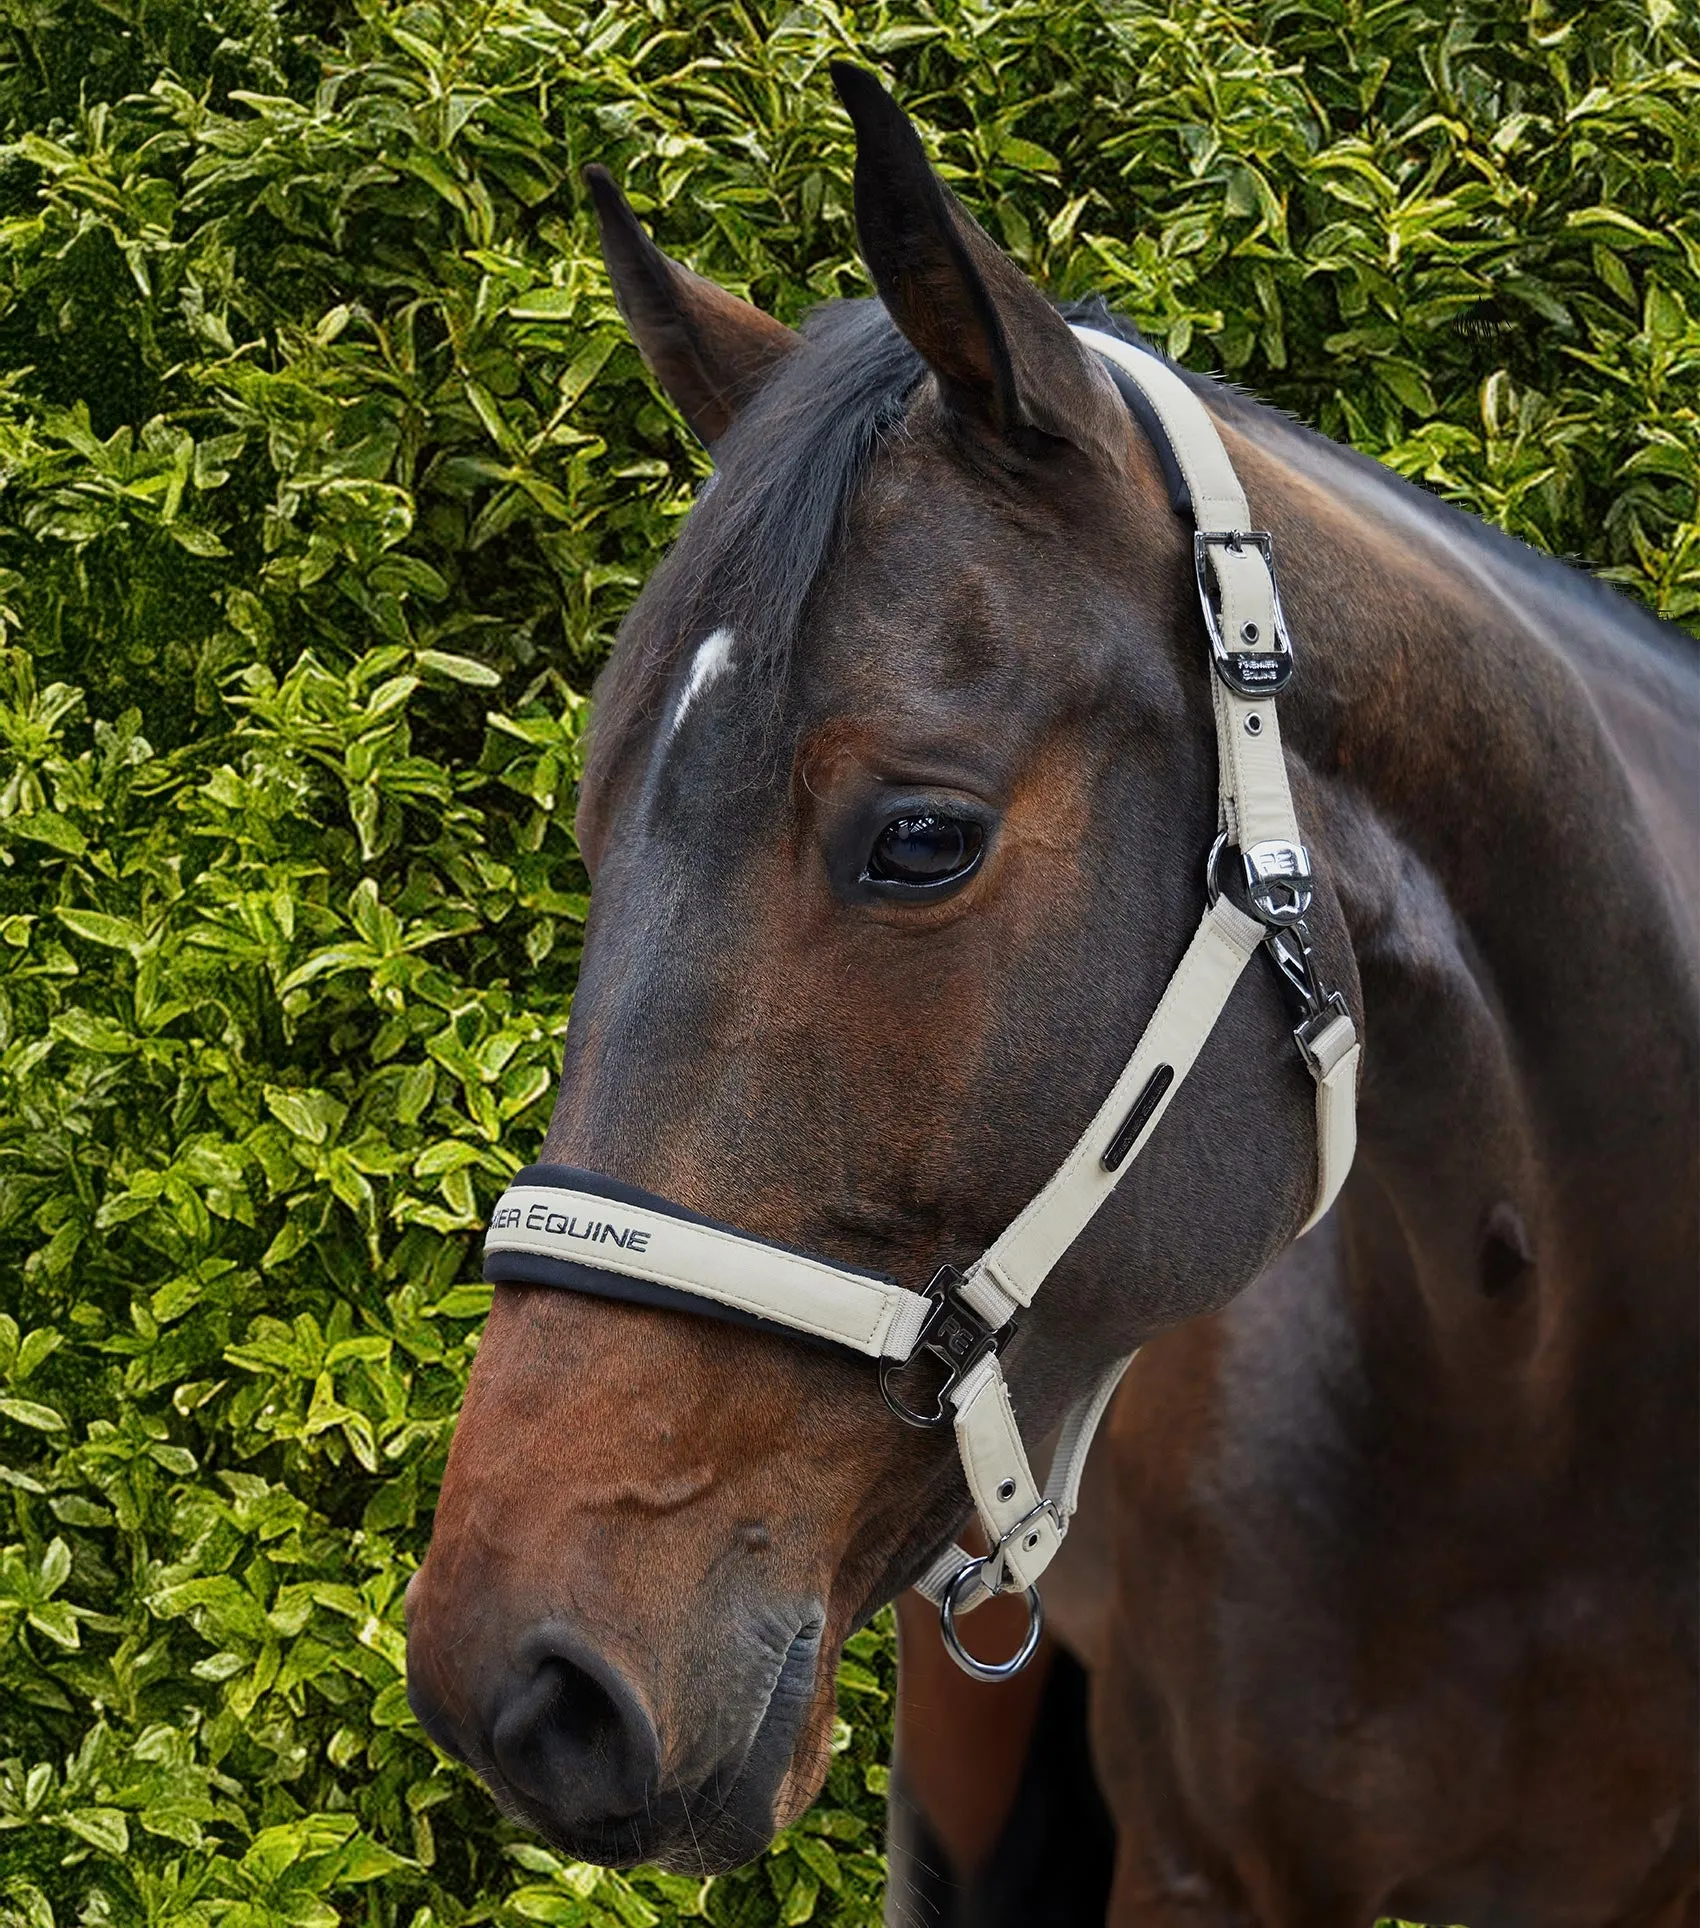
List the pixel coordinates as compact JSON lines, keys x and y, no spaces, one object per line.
{"x":765,"y":526}
{"x":768,"y":522}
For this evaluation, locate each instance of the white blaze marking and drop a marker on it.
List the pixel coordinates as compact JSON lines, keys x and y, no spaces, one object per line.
{"x":713,"y":657}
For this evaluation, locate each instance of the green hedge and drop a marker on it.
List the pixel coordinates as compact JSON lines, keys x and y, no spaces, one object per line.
{"x":325,"y":475}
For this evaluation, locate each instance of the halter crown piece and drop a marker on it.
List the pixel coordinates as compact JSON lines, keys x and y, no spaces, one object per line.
{"x":561,"y":1227}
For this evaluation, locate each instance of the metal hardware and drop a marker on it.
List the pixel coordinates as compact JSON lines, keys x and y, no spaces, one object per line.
{"x":971,"y":1663}
{"x":1295,"y":964}
{"x":1024,"y":1531}
{"x":1289,"y":950}
{"x":1254,"y":724}
{"x":1306,"y":1035}
{"x":955,"y":1335}
{"x":1277,"y":876}
{"x":1006,"y":1489}
{"x":1212,"y":867}
{"x":1246,"y":672}
{"x":1115,"y":1153}
{"x":1278,"y":881}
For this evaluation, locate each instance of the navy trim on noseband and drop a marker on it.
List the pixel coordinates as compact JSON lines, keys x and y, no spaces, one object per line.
{"x":583,"y":1275}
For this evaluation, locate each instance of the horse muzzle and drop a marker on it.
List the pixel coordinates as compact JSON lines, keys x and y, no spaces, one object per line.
{"x":573,"y":1743}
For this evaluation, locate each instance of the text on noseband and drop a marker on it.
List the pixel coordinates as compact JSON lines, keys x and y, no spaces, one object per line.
{"x":565,"y":1225}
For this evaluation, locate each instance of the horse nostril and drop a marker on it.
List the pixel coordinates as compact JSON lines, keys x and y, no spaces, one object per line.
{"x":571,"y":1734}
{"x":581,"y":1710}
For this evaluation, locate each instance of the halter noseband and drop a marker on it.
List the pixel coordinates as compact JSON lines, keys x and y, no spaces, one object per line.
{"x":561,"y":1227}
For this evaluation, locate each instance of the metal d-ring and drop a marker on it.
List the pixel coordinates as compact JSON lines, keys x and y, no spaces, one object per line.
{"x":970,"y":1663}
{"x":1212,"y":868}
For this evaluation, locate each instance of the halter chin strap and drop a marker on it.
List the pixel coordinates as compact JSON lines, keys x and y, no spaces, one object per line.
{"x":561,"y":1227}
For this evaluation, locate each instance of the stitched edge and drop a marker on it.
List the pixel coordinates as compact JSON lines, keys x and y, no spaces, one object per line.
{"x":888,"y":1301}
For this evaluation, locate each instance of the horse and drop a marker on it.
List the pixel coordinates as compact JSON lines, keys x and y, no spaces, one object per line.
{"x":900,"y":782}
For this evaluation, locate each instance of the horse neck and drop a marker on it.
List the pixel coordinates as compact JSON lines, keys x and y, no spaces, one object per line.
{"x":1527,"y":963}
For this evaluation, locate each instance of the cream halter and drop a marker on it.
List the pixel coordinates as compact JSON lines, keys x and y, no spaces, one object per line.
{"x":560,"y":1227}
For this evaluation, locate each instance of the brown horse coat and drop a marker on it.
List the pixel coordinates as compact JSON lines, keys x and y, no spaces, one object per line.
{"x":1390,"y":1602}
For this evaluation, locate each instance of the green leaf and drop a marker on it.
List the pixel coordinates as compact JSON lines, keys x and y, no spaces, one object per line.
{"x":547,"y":304}
{"x":33,"y":1907}
{"x":102,"y":1827}
{"x":1409,"y":384}
{"x":36,"y":1347}
{"x":57,"y":1621}
{"x":93,"y":1033}
{"x":460,"y":669}
{"x":1028,"y":154}
{"x":464,"y":1302}
{"x":48,"y":827}
{"x":198,"y":541}
{"x":364,"y":1859}
{"x":55,"y":1566}
{"x":30,"y":1412}
{"x":309,"y":1115}
{"x":446,"y":1155}
{"x":799,"y":1903}
{"x":116,"y":933}
{"x":549,"y":1905}
{"x":1665,"y":317}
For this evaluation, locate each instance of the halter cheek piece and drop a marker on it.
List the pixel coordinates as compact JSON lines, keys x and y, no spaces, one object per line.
{"x":560,"y":1227}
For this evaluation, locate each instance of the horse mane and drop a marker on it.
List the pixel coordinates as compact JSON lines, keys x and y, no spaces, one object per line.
{"x":765,"y":525}
{"x":1569,"y":581}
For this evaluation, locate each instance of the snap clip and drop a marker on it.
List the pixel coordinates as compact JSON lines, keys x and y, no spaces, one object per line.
{"x":955,"y":1335}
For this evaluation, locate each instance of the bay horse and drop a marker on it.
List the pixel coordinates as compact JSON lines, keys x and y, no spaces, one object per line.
{"x":1383,"y":1600}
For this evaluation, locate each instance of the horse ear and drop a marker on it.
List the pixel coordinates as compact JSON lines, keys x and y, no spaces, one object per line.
{"x":1003,"y":355}
{"x":709,"y":350}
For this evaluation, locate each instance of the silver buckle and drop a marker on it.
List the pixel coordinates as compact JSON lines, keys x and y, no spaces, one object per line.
{"x":1020,"y":1532}
{"x":1247,"y":672}
{"x":1278,"y":880}
{"x":1306,"y":1034}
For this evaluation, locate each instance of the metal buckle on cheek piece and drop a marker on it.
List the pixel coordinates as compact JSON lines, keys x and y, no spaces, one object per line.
{"x":1288,"y":943}
{"x":1247,"y":672}
{"x":955,"y":1335}
{"x":1278,"y":881}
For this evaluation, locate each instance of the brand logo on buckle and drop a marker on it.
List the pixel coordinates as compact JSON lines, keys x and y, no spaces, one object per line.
{"x":1278,"y":881}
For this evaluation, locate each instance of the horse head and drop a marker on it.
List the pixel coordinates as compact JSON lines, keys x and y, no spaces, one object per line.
{"x":900,"y":784}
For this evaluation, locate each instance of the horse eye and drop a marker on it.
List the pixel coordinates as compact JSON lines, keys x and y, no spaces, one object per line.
{"x":924,"y":851}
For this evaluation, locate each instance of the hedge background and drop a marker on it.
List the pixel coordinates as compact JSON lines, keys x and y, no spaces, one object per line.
{"x":325,"y":476}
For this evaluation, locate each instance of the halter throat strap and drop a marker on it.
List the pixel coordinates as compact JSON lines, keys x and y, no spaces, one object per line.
{"x":579,"y":1231}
